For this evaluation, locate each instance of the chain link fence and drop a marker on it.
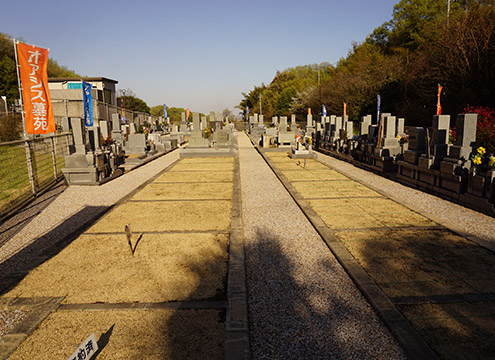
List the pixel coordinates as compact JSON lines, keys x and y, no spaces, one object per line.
{"x":28,"y":167}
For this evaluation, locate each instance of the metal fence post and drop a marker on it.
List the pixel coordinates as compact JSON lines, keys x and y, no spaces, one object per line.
{"x":29,"y":162}
{"x":54,"y":158}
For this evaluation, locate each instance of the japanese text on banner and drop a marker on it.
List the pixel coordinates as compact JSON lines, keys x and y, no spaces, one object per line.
{"x":33,"y":62}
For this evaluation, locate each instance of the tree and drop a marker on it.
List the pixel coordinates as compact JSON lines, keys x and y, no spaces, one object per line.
{"x":226,"y":113}
{"x":157,"y":110}
{"x":133,"y":103}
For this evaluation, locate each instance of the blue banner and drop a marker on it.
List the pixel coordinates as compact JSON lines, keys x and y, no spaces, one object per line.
{"x":323,"y":110}
{"x":164,"y":111}
{"x":247,"y":113}
{"x":378,"y":109}
{"x":88,"y":103}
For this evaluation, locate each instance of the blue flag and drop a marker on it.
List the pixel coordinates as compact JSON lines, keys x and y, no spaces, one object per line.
{"x":323,"y":110}
{"x":378,"y":109}
{"x":247,"y":112}
{"x":164,"y":111}
{"x":88,"y":104}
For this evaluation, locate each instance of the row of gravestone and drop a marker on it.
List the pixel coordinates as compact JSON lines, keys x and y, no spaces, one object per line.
{"x":423,"y":157}
{"x":280,"y":133}
{"x":219,"y":139}
{"x":99,"y":151}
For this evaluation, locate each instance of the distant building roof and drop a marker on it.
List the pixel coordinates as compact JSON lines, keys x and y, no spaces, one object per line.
{"x":62,"y":79}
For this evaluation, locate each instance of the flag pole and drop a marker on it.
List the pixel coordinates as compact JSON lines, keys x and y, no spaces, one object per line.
{"x":20,"y":87}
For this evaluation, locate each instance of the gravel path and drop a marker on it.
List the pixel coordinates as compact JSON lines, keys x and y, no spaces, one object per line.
{"x":443,"y":211}
{"x":14,"y":224}
{"x":302,"y":304}
{"x":71,"y":209}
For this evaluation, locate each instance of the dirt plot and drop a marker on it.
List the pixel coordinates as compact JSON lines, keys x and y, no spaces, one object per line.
{"x":332,"y":189}
{"x":299,"y":165}
{"x":183,"y":191}
{"x":422,"y":262}
{"x":315,"y":175}
{"x":456,"y":331}
{"x":133,"y":335}
{"x":208,"y":160}
{"x":211,"y":215}
{"x":164,"y":267}
{"x":197,"y":177}
{"x":193,"y":167}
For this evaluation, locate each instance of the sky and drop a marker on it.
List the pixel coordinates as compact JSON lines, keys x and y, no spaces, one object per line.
{"x":195,"y":54}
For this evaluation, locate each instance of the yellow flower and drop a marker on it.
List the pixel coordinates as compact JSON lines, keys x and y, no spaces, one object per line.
{"x":481,"y":150}
{"x":492,"y":162}
{"x":477,"y":160}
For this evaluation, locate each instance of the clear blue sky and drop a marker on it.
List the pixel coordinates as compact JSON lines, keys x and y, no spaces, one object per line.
{"x":192,"y":53}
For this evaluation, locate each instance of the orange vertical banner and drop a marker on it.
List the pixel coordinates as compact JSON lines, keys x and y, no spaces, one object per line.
{"x":187,"y":113}
{"x":345,"y":109}
{"x":33,"y":62}
{"x":439,"y":106}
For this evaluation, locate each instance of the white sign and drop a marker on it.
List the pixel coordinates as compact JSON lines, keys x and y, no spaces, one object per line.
{"x":86,"y":350}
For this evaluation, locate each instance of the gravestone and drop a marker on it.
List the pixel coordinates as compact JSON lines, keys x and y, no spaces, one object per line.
{"x":65,"y":124}
{"x":364,"y":125}
{"x":400,"y":126}
{"x":183,"y":123}
{"x":94,"y":136}
{"x":454,"y":169}
{"x":275,"y":121}
{"x":438,"y":143}
{"x":293,"y":123}
{"x":84,"y":166}
{"x":285,"y":138}
{"x":309,"y":125}
{"x":117,"y":135}
{"x":222,"y":138}
{"x":196,"y":140}
{"x":417,"y":145}
{"x":104,"y":128}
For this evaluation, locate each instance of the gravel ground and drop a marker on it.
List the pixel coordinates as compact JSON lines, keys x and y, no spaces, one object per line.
{"x":14,"y":224}
{"x":71,"y":209}
{"x":8,"y":319}
{"x":302,"y":304}
{"x":443,"y":211}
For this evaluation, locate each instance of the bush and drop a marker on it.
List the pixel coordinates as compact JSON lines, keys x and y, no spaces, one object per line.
{"x":10,"y":127}
{"x":485,"y":132}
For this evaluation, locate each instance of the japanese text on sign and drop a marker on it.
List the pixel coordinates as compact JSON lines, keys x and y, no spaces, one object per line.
{"x":33,"y":63}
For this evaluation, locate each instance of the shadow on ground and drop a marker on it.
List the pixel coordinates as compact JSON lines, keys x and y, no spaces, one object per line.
{"x":14,"y":269}
{"x":302,"y":318}
{"x":442,"y":283}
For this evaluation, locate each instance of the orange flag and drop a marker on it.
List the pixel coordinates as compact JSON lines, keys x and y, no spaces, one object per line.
{"x":33,"y":62}
{"x":187,"y":114}
{"x":345,"y":109}
{"x":439,"y":106}
{"x":309,"y":111}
